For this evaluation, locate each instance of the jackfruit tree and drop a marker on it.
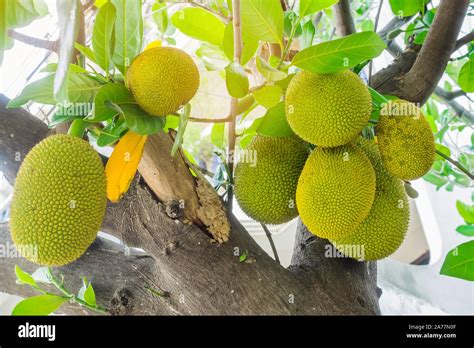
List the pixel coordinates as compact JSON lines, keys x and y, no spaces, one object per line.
{"x":315,"y":132}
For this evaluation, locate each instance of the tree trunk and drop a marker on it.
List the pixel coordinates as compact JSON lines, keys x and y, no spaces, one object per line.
{"x":197,"y":274}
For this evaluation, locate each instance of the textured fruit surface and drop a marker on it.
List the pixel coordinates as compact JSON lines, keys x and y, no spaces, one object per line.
{"x":327,"y":110}
{"x":405,"y":140}
{"x":335,"y":191}
{"x":162,"y":79}
{"x":383,"y":231}
{"x":59,"y":200}
{"x":265,"y":189}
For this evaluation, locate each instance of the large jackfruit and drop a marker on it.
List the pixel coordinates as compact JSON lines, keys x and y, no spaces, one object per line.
{"x":405,"y":140}
{"x":383,"y":231}
{"x":59,"y":201}
{"x":265,"y":187}
{"x":327,"y":110}
{"x":162,"y":80}
{"x":335,"y":191}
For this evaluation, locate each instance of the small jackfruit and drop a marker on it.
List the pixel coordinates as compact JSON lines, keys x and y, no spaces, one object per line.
{"x":383,"y":231}
{"x":327,"y":110}
{"x":405,"y":140}
{"x":162,"y":80}
{"x":59,"y":201}
{"x":265,"y":181}
{"x":335,"y":191}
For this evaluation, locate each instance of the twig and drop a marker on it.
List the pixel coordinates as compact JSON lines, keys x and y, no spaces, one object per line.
{"x":456,"y":163}
{"x":210,"y":120}
{"x":197,"y":4}
{"x":460,"y":110}
{"x":33,"y":41}
{"x":464,"y":40}
{"x":272,"y":244}
{"x":234,"y":102}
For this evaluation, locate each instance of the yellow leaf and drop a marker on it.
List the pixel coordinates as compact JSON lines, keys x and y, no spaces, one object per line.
{"x":156,"y":43}
{"x":123,"y":163}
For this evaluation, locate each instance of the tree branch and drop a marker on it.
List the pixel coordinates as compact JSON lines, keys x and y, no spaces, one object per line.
{"x":419,"y":83}
{"x":464,"y":40}
{"x":343,"y":17}
{"x":33,"y":41}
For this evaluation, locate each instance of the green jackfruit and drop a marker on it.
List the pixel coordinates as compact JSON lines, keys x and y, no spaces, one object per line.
{"x":405,"y":140}
{"x":383,"y":231}
{"x":162,"y":80}
{"x":335,"y":191}
{"x":59,"y":201}
{"x":265,"y":188}
{"x":327,"y":110}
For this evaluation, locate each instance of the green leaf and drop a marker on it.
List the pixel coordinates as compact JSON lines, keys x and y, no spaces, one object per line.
{"x":420,"y":38}
{"x":114,"y":92}
{"x":274,"y":123}
{"x":160,"y":16}
{"x":308,"y":7}
{"x":25,"y":278}
{"x":128,"y":32}
{"x":289,"y":21}
{"x":68,"y":17}
{"x":466,"y":230}
{"x":86,"y":293}
{"x":137,"y":119}
{"x":249,"y":45}
{"x":172,"y":122}
{"x":212,"y":56}
{"x":263,"y":20}
{"x":269,"y":72}
{"x":337,"y":55}
{"x":435,"y":179}
{"x":59,"y":117}
{"x":40,"y":91}
{"x":217,"y":135}
{"x":405,"y":8}
{"x":183,"y":123}
{"x":466,"y":76}
{"x":39,"y":305}
{"x":111,"y":133}
{"x":443,"y":149}
{"x":102,"y":39}
{"x":466,"y":211}
{"x":459,"y":262}
{"x":236,"y":80}
{"x":85,"y":51}
{"x":52,"y":67}
{"x":3,"y":28}
{"x":20,"y":13}
{"x":307,"y":36}
{"x":41,"y":275}
{"x":268,"y":96}
{"x":199,"y":24}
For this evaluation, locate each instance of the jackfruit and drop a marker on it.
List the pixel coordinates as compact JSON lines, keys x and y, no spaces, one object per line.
{"x":162,"y":80}
{"x":327,"y":110}
{"x":405,"y":140}
{"x":59,"y":201}
{"x":335,"y":191}
{"x":265,"y":181}
{"x":383,"y":231}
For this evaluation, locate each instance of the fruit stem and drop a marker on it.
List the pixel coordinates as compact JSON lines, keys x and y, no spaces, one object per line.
{"x":289,"y":42}
{"x":77,"y":128}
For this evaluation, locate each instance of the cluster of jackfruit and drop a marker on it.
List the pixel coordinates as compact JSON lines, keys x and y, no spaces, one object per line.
{"x":349,"y":189}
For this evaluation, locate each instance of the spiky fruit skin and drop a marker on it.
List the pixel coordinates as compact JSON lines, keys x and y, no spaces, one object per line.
{"x":266,"y":191}
{"x":405,"y":140}
{"x":327,"y":110}
{"x":162,"y":80}
{"x":335,"y":191}
{"x":384,"y":230}
{"x":59,"y":201}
